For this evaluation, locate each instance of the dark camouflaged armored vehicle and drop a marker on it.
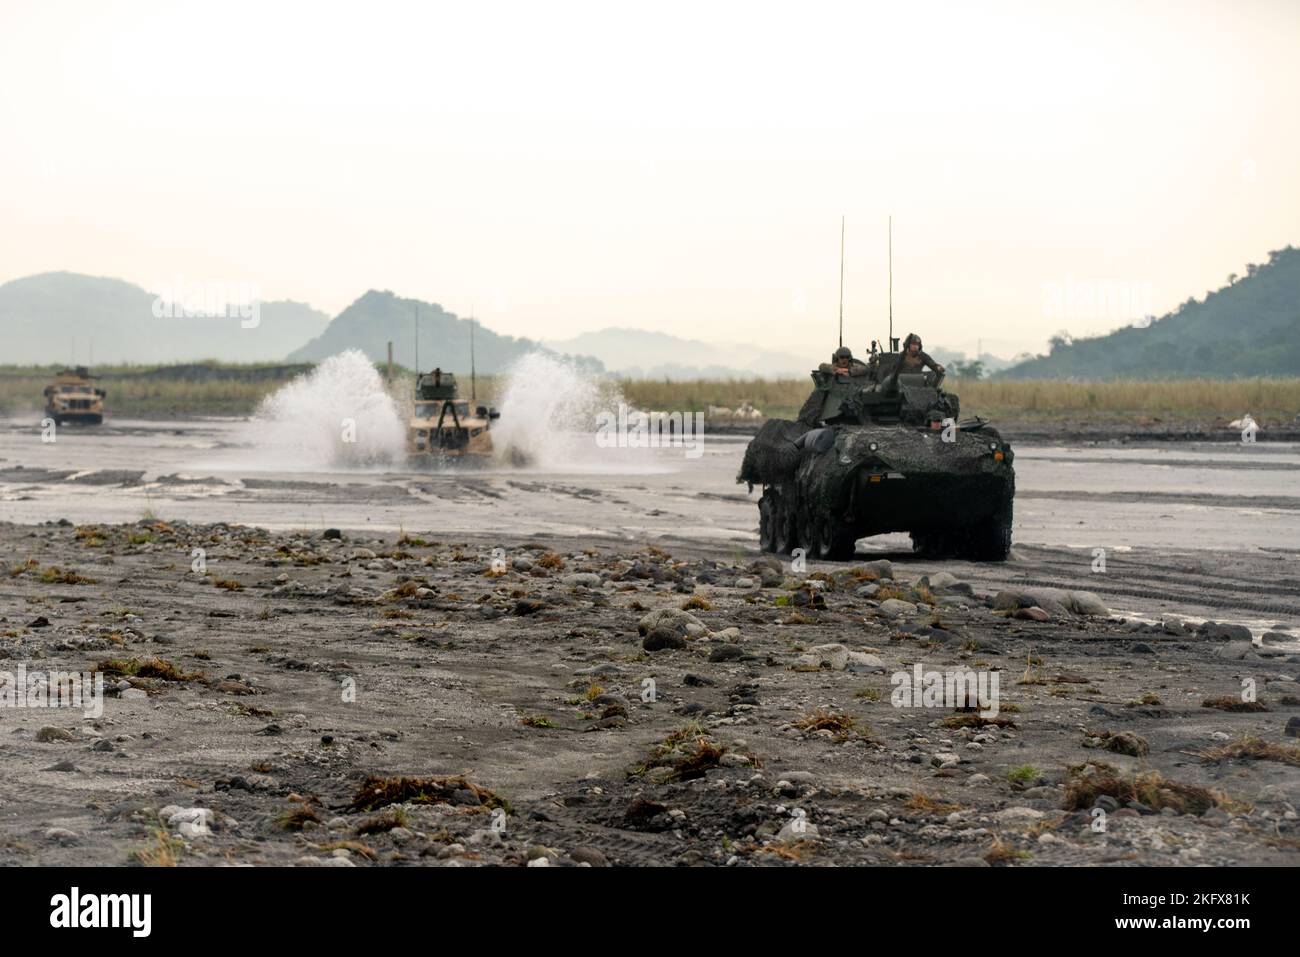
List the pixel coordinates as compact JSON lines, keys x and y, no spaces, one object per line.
{"x":875,"y":451}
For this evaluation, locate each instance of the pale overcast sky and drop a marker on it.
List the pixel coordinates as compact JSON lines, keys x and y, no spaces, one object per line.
{"x":566,"y":167}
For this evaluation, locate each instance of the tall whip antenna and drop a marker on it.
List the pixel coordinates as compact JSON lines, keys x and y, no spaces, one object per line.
{"x":417,"y":345}
{"x":841,"y":280}
{"x":891,"y":283}
{"x":473,"y":395}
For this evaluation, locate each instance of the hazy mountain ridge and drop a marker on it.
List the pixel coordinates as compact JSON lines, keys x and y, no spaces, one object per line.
{"x":61,"y":316}
{"x":640,"y":353}
{"x":378,"y":318}
{"x":1249,"y":327}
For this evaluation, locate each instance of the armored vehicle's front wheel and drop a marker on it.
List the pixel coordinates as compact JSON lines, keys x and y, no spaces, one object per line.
{"x":767,"y":509}
{"x":989,"y":541}
{"x":775,"y":525}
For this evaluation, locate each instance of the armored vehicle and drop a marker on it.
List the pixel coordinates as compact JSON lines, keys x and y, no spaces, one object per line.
{"x":443,"y":426}
{"x":875,"y":450}
{"x":72,"y":398}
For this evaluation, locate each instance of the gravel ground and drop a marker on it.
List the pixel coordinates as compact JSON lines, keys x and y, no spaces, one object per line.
{"x":347,"y":698}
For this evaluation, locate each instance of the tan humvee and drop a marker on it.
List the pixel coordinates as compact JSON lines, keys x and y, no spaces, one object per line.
{"x":72,"y":398}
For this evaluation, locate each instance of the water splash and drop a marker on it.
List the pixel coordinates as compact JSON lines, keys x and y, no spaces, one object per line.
{"x":548,"y":414}
{"x":337,"y":415}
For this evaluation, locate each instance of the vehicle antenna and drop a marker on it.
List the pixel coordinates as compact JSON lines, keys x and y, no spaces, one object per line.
{"x":473,"y":395}
{"x":417,"y":345}
{"x":892,"y":347}
{"x":841,"y":280}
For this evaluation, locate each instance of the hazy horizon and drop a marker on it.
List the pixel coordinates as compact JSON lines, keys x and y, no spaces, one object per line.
{"x":566,"y":170}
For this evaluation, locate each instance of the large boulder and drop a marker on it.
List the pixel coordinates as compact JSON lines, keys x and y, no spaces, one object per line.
{"x":668,"y":628}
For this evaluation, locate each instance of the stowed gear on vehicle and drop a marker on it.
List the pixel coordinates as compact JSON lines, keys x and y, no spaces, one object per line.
{"x":882,"y":450}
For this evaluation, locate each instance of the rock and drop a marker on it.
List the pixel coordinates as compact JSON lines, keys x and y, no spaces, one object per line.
{"x":1222,"y":632}
{"x":668,"y":628}
{"x":589,"y":855}
{"x":1051,"y":600}
{"x":192,"y":830}
{"x":1013,"y":815}
{"x":581,"y":580}
{"x":1236,"y":650}
{"x":133,"y":694}
{"x":49,"y":735}
{"x":1293,"y":726}
{"x":859,"y":662}
{"x":401,"y":835}
{"x":939,"y":581}
{"x":1126,"y":742}
{"x":834,"y":657}
{"x":896,"y":607}
{"x":726,"y":653}
{"x":331,"y":534}
{"x":883,"y":568}
{"x":1032,"y":613}
{"x":188,"y":815}
{"x":61,"y":835}
{"x":797,"y":830}
{"x":867,"y":591}
{"x":1141,"y":648}
{"x":1277,"y":638}
{"x":1086,"y":603}
{"x":522,"y":564}
{"x":746,"y":583}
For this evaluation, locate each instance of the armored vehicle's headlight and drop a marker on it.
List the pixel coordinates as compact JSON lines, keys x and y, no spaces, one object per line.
{"x":873,"y":447}
{"x":993,"y":446}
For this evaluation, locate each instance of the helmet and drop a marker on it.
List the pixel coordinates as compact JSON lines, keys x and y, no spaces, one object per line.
{"x":842,"y":354}
{"x":912,"y":337}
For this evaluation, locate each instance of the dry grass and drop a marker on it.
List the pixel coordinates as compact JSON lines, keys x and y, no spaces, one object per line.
{"x":158,"y":668}
{"x":1253,"y":749}
{"x":1270,"y":401}
{"x":234,"y":389}
{"x":688,"y":752}
{"x":379,"y":792}
{"x":1233,"y":704}
{"x":1150,"y":788}
{"x":165,"y":851}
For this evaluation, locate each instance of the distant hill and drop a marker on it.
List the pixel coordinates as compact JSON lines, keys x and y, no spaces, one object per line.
{"x":51,"y":317}
{"x":638,"y":354}
{"x":378,"y":318}
{"x":1250,"y":327}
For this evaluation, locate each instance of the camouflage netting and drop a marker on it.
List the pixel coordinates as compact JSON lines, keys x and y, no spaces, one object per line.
{"x":772,"y":457}
{"x":811,"y":413}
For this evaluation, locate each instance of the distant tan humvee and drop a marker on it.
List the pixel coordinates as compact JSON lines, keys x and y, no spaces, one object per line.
{"x":72,"y":398}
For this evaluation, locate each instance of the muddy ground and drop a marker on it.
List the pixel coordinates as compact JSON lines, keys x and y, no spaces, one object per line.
{"x":286,"y":686}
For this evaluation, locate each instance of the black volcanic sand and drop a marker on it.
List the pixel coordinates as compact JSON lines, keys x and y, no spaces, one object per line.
{"x":513,"y":705}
